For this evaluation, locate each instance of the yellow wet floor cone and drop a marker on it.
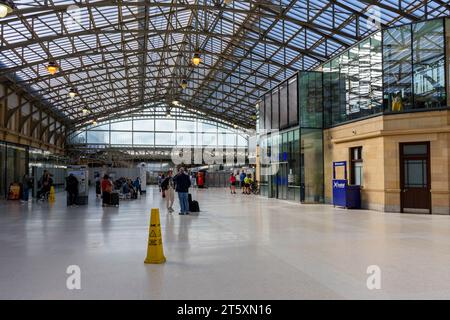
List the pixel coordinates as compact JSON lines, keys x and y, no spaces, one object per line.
{"x":51,"y":196}
{"x":155,"y":253}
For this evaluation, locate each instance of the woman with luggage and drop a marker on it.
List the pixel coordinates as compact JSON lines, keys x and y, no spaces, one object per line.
{"x":107,"y":187}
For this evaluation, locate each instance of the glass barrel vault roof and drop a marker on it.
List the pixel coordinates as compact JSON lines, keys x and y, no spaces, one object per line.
{"x":125,"y":56}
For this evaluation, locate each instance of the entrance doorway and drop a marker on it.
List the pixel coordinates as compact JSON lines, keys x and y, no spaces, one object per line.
{"x":282,"y":181}
{"x":415,"y":181}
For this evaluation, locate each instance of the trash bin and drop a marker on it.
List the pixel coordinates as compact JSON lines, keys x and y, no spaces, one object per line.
{"x":353,"y":197}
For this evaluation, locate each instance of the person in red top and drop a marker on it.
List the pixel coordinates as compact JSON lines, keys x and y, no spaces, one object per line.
{"x":106,"y":186}
{"x":233,"y":184}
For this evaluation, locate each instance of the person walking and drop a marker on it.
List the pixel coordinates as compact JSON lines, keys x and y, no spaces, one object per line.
{"x":107,"y":187}
{"x":233,"y":183}
{"x":25,"y":187}
{"x":182,"y":184}
{"x":137,"y":185}
{"x":193,"y":180}
{"x":98,"y":189}
{"x":72,"y":190}
{"x":168,"y":187}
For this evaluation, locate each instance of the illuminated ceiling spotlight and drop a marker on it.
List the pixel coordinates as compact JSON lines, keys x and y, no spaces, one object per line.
{"x":73,"y":92}
{"x":85,"y":111}
{"x":196,"y":59}
{"x":94,"y":122}
{"x":235,"y":126}
{"x":168,"y":115}
{"x":184,"y":83}
{"x":176,"y":102}
{"x":52,"y":67}
{"x":6,"y":7}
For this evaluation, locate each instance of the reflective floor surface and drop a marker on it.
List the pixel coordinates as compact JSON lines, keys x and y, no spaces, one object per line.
{"x":238,"y":247}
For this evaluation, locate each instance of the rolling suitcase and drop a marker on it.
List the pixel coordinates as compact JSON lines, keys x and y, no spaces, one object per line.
{"x":114,"y":200}
{"x":194,"y":206}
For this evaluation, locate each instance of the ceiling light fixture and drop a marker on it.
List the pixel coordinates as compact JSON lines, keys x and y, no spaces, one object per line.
{"x":52,"y":67}
{"x":73,"y":93}
{"x":196,"y":59}
{"x":184,"y":83}
{"x":227,"y":1}
{"x":6,"y":7}
{"x":85,"y":111}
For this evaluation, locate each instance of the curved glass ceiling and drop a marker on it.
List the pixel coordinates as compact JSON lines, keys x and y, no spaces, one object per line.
{"x":123,"y":56}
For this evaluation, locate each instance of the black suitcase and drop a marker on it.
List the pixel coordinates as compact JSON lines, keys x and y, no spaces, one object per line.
{"x":194,"y":206}
{"x":114,"y":201}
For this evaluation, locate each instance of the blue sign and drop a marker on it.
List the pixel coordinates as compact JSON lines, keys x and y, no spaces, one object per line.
{"x":340,"y":193}
{"x":340,"y":185}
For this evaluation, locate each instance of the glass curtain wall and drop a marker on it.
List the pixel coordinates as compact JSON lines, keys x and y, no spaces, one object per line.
{"x":141,"y":132}
{"x":13,"y":165}
{"x":414,"y":67}
{"x":311,"y":95}
{"x":352,"y":82}
{"x":296,"y":172}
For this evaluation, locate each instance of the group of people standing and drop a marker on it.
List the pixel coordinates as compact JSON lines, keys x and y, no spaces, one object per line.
{"x":246,"y":182}
{"x":105,"y":186}
{"x":179,"y":183}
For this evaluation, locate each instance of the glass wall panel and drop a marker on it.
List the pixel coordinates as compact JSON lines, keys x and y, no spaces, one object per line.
{"x":144,"y":124}
{"x":261,"y":115}
{"x":397,"y":67}
{"x":103,"y":127}
{"x":164,"y":139}
{"x":16,"y":164}
{"x":98,"y":137}
{"x":143,"y":138}
{"x":121,"y":137}
{"x":186,"y":139}
{"x":186,"y":126}
{"x":352,"y":83}
{"x":165,"y":125}
{"x":123,"y":125}
{"x":275,"y":109}
{"x":293,"y":102}
{"x":206,"y":127}
{"x":284,"y":121}
{"x":312,"y":165}
{"x":230,"y":139}
{"x":294,"y":165}
{"x":207,"y":139}
{"x":429,"y":64}
{"x":268,"y":112}
{"x":242,"y":141}
{"x":311,"y":99}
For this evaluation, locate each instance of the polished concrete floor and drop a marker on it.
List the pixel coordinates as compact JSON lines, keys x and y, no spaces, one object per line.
{"x":238,"y":247}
